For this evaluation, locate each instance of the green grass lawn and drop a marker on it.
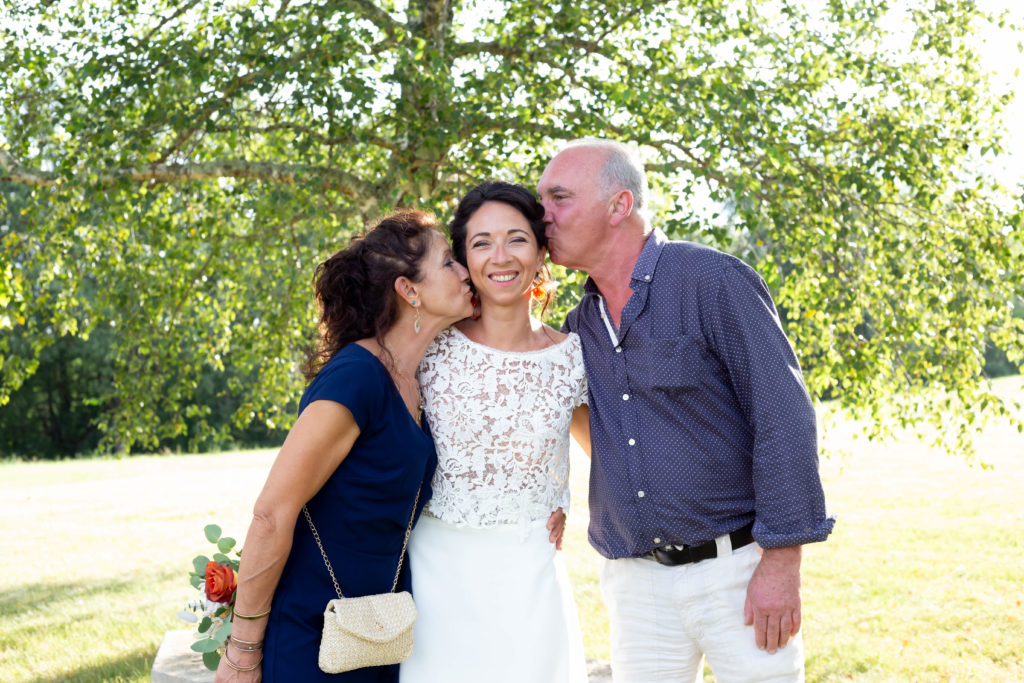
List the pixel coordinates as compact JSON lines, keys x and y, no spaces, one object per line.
{"x":922,"y":580}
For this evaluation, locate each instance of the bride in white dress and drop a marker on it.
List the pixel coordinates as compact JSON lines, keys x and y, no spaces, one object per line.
{"x":501,"y":393}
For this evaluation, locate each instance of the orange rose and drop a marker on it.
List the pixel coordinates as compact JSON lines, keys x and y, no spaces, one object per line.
{"x":221,"y":581}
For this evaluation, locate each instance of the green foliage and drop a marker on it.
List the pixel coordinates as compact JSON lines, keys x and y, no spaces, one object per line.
{"x":55,"y":410}
{"x":177,"y":173}
{"x":211,"y":660}
{"x":212,"y":533}
{"x":997,"y":362}
{"x":53,"y":413}
{"x":199,"y":564}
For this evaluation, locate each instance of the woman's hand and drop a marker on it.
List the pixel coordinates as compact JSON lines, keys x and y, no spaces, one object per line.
{"x":556,"y":524}
{"x":225,"y":674}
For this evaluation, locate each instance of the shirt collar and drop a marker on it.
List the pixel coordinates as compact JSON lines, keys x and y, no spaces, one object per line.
{"x":643,"y":271}
{"x":648,"y":261}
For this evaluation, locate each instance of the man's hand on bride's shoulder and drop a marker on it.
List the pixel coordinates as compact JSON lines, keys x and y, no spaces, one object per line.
{"x":556,"y":524}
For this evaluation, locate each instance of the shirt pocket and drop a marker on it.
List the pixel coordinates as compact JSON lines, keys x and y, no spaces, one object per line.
{"x":673,"y":364}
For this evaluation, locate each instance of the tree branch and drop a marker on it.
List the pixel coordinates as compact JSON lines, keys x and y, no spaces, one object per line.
{"x":312,"y":134}
{"x":521,"y":50}
{"x":476,"y":127}
{"x":210,"y":105}
{"x":11,"y":171}
{"x":370,"y":11}
{"x":346,"y":183}
{"x":166,"y":20}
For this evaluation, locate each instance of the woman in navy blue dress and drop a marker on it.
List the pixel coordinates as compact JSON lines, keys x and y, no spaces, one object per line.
{"x":356,"y":457}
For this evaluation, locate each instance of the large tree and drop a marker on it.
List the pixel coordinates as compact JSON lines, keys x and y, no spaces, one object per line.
{"x":188,"y":163}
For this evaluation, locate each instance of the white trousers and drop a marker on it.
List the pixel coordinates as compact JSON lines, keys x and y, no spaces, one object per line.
{"x":665,"y":619}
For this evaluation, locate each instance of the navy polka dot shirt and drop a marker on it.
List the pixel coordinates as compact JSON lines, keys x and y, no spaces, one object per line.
{"x":700,"y":419}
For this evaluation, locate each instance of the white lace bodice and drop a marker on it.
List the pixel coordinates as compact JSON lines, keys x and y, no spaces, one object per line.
{"x":500,"y":421}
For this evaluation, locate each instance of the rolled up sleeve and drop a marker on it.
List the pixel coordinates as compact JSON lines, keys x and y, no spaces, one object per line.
{"x":766,"y":376}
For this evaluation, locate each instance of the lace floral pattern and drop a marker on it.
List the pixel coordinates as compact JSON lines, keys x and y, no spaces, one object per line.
{"x":500,"y":421}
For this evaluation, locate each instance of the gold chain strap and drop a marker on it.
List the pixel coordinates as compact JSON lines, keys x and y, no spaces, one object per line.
{"x":401,"y":558}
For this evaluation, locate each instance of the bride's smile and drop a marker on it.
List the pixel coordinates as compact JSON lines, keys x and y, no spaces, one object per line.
{"x":502,"y":253}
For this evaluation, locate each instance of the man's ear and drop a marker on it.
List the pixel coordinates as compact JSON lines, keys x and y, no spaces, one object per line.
{"x":620,"y":206}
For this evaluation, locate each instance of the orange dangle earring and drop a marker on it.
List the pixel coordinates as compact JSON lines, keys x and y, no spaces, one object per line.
{"x":538,"y":291}
{"x":475,"y":302}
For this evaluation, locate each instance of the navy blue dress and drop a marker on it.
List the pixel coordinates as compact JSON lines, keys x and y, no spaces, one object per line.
{"x":361,"y":514}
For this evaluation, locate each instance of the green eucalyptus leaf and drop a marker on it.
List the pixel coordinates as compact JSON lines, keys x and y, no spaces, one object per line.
{"x":212,"y":532}
{"x":206,"y":645}
{"x":199,"y":563}
{"x":223,"y":632}
{"x":211,"y":660}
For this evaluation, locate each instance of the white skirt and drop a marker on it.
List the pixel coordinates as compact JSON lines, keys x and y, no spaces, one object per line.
{"x":493,"y":606}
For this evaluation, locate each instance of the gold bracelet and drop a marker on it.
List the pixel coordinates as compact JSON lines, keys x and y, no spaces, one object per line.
{"x":251,"y":616}
{"x":252,"y":645}
{"x":245,"y":642}
{"x":241,"y":668}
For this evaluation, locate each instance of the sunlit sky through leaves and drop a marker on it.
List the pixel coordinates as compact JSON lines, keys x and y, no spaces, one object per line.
{"x":1002,"y":56}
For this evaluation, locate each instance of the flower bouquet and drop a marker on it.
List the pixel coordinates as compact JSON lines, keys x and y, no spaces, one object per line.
{"x":216,"y":580}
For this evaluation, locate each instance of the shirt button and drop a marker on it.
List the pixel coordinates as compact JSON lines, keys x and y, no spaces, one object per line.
{"x":647,"y":277}
{"x":625,"y":397}
{"x":632,"y":442}
{"x":618,"y":349}
{"x":657,"y":540}
{"x":639,"y":494}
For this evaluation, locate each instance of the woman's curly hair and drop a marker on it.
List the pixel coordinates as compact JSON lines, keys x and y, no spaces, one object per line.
{"x":355,"y":288}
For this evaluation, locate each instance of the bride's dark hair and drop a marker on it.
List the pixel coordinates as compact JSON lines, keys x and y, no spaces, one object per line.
{"x":355,"y":288}
{"x":516,"y":196}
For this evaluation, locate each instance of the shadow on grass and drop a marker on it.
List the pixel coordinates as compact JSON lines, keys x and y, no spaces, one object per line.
{"x":34,"y":597}
{"x":134,"y":666}
{"x":49,"y":617}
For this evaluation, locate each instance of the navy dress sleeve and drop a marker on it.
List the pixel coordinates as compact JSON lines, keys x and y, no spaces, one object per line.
{"x":353,"y":381}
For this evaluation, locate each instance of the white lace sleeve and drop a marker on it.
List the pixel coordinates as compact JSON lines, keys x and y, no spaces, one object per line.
{"x":500,"y":422}
{"x":582,"y":397}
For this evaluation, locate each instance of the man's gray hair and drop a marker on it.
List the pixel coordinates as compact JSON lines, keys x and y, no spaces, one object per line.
{"x":622,"y":168}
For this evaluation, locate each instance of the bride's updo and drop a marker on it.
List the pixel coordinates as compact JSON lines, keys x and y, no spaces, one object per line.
{"x":355,"y":289}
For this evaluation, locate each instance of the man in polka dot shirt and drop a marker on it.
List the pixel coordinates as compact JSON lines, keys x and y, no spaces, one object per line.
{"x":704,"y":475}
